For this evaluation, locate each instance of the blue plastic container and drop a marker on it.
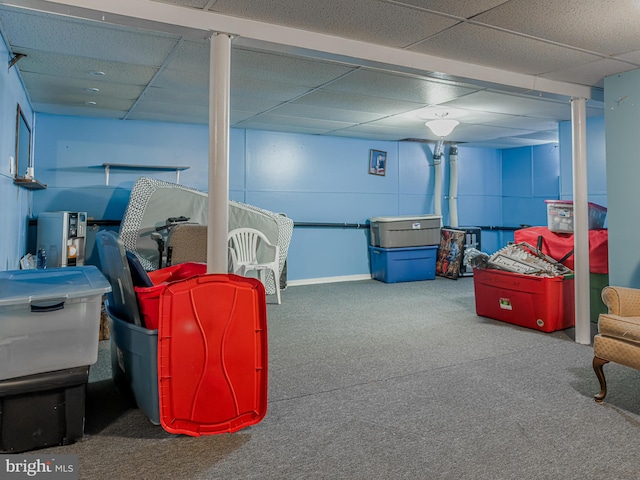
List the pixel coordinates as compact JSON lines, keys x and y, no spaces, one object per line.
{"x":391,"y":265}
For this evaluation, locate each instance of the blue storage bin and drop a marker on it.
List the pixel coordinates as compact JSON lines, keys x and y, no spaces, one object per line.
{"x":134,"y":364}
{"x":391,"y":265}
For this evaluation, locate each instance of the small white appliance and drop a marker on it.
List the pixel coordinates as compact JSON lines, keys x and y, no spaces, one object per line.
{"x":62,"y":235}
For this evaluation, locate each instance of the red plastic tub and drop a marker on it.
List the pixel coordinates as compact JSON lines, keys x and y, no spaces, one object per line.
{"x":542,"y":303}
{"x":149,"y":297}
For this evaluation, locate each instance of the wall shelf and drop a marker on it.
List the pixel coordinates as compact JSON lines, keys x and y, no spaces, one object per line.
{"x":127,"y":166}
{"x":31,"y":184}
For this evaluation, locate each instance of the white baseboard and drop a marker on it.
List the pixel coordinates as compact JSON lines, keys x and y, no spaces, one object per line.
{"x":314,"y":281}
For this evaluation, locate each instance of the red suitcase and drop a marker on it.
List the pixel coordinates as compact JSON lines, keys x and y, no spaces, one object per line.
{"x":212,"y":354}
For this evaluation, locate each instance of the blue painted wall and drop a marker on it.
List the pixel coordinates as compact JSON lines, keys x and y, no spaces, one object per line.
{"x":530,"y":176}
{"x":309,"y":178}
{"x":70,"y":152}
{"x":15,"y":202}
{"x":622,"y":117}
{"x":596,"y":161}
{"x":480,"y":193}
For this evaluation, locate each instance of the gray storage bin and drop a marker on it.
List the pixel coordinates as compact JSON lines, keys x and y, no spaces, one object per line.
{"x":405,"y":231}
{"x":134,"y":363}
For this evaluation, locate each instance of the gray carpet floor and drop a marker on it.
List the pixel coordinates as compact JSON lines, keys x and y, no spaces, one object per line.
{"x":369,"y":380}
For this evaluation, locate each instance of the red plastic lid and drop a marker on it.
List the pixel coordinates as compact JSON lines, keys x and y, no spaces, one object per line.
{"x":212,"y":355}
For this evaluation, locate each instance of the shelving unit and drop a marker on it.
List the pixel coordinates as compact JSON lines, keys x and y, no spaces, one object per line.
{"x":127,"y":166}
{"x":31,"y":184}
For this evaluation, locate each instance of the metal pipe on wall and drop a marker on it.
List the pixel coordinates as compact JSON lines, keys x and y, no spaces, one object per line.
{"x":437,"y":185}
{"x":219,"y":95}
{"x":453,"y":186}
{"x":580,"y":221}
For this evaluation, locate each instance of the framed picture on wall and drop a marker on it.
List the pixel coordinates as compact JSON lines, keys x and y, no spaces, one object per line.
{"x":377,"y":162}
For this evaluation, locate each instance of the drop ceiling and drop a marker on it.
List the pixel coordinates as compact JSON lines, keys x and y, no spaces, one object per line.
{"x":159,"y":70}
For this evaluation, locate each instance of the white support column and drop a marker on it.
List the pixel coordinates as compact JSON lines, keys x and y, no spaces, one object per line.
{"x":580,"y":220}
{"x":219,"y":94}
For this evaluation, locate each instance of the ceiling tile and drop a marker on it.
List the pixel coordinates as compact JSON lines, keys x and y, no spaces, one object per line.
{"x":170,"y":116}
{"x":46,"y":88}
{"x":526,"y":123}
{"x":508,"y":104}
{"x":183,"y":80}
{"x":374,"y":22}
{"x":85,"y":38}
{"x":79,"y":110}
{"x":255,"y":104}
{"x":421,"y":115}
{"x":484,"y":46}
{"x":549,"y":136}
{"x":378,"y":136}
{"x":389,"y":131}
{"x":285,"y":69}
{"x":175,"y":97}
{"x":282,"y":120}
{"x":349,"y":101}
{"x":397,"y":86}
{"x":564,"y":114}
{"x":633,"y":57}
{"x":459,"y":8}
{"x":284,"y":128}
{"x":337,"y":114}
{"x":267,"y":90}
{"x":191,"y":56}
{"x":506,"y":142}
{"x":401,"y":121}
{"x":468,"y":133}
{"x":608,"y":27}
{"x":69,"y":66}
{"x":149,"y":107}
{"x":237,"y":116}
{"x":591,"y":73}
{"x":187,"y":3}
{"x":63,"y":96}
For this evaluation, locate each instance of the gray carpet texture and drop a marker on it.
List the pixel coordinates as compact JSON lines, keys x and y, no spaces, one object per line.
{"x":369,"y":380}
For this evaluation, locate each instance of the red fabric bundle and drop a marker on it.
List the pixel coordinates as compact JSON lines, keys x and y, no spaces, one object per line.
{"x":557,"y":245}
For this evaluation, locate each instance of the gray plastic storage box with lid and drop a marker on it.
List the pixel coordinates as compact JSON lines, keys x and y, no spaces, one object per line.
{"x":49,"y":319}
{"x":134,"y":363}
{"x":405,"y":231}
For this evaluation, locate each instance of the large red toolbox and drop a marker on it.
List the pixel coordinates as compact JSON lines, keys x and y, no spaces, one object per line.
{"x":542,"y":303}
{"x":212,"y":354}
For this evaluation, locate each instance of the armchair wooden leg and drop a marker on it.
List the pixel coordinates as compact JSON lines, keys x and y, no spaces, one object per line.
{"x":597,"y":367}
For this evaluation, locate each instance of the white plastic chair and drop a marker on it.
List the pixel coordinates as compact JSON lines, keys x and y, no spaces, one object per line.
{"x":244,"y":246}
